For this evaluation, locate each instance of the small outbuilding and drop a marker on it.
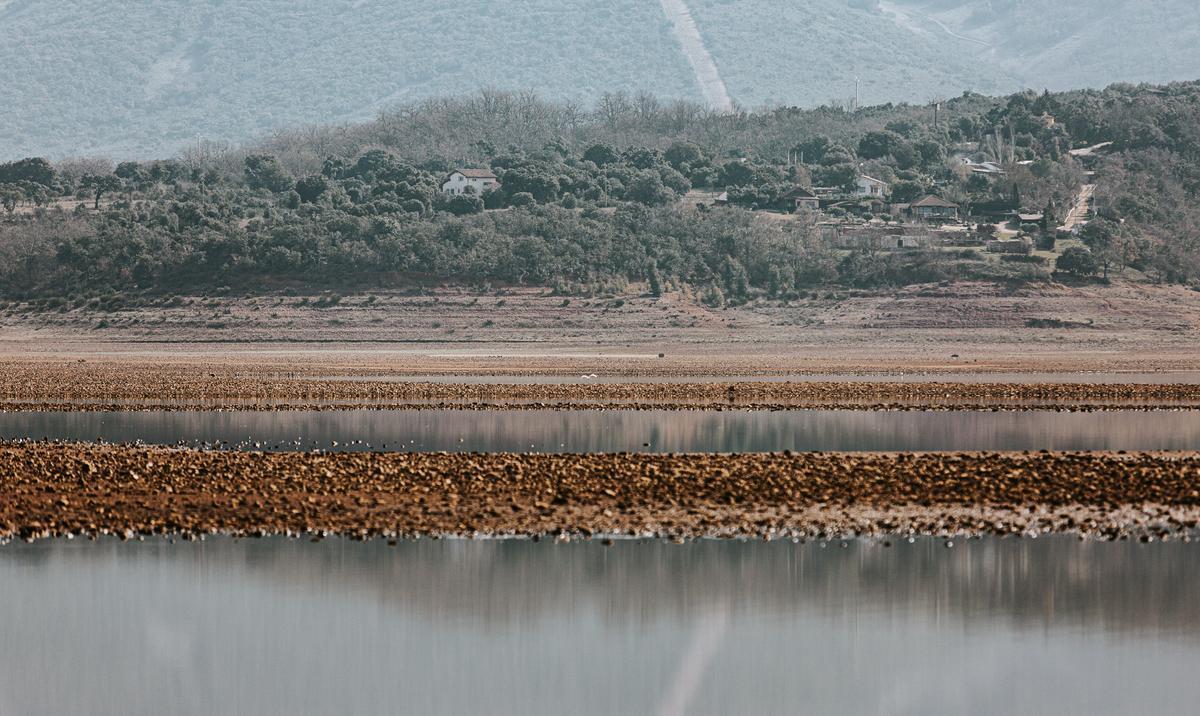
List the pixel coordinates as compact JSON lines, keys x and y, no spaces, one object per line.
{"x":800,"y":199}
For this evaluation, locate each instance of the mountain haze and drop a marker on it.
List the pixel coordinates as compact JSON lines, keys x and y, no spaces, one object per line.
{"x":131,"y":79}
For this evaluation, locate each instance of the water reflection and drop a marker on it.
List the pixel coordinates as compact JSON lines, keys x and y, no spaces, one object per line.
{"x":613,"y":431}
{"x":992,"y":626}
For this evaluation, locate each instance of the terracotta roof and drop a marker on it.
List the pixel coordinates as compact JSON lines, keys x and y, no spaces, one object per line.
{"x":932,"y":200}
{"x":475,"y":173}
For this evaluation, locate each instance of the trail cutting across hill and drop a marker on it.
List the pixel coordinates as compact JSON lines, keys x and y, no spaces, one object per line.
{"x":1078,"y":214}
{"x":705,"y":70}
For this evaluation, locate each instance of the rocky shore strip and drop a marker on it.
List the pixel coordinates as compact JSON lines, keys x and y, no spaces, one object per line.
{"x":228,"y":405}
{"x":54,"y":489}
{"x":87,"y":386}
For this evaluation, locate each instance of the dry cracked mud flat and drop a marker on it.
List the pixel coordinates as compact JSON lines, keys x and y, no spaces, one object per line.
{"x":56,"y":489}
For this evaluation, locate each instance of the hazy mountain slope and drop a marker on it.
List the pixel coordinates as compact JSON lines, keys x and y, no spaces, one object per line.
{"x":772,"y":52}
{"x":141,"y":79}
{"x":122,"y":77}
{"x":1063,"y":44}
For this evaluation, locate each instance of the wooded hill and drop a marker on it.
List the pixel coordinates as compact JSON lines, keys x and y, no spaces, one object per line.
{"x":596,"y":200}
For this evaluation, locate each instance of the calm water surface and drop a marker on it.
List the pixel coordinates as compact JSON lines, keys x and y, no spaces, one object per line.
{"x":614,"y":431}
{"x":1047,"y":626}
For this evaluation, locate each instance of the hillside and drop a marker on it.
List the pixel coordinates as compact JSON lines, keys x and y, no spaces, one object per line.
{"x":772,"y":53}
{"x":1069,"y":43}
{"x":121,"y":78}
{"x":141,"y":79}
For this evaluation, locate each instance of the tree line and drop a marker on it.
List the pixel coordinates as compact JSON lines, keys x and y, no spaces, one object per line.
{"x":594,"y":197}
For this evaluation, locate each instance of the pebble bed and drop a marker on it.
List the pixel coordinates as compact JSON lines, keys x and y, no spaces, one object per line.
{"x":235,"y":393}
{"x":475,"y":406}
{"x":86,"y":489}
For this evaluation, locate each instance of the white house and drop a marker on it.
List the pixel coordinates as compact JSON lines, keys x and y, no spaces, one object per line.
{"x":984,"y":168}
{"x":480,"y":180}
{"x":871,"y":187}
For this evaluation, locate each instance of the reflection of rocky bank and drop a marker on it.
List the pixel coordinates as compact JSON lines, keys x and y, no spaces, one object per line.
{"x":1048,"y":582}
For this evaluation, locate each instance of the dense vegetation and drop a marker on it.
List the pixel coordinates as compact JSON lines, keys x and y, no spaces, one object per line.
{"x":596,"y":199}
{"x":143,"y":80}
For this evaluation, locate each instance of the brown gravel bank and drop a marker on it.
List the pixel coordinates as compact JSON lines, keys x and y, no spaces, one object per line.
{"x":56,"y":489}
{"x":478,"y":406}
{"x":58,"y":384}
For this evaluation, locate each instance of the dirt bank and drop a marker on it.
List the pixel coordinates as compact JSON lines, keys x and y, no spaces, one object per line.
{"x":961,"y":327}
{"x":44,"y":384}
{"x":55,"y":489}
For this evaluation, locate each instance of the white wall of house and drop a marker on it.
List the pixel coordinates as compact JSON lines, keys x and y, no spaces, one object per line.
{"x":871,"y":187}
{"x":457,"y":183}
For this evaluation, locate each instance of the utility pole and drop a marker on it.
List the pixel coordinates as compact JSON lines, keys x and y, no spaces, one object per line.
{"x":856,"y":93}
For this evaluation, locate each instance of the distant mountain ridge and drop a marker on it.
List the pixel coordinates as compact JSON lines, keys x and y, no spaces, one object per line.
{"x":130,"y":79}
{"x":1073,"y":43}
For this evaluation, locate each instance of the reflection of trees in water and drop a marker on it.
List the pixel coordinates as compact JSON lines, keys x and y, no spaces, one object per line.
{"x":1047,"y":582}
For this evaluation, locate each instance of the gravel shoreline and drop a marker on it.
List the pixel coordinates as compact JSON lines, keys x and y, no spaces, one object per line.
{"x":54,"y":489}
{"x":232,"y":407}
{"x":87,"y":387}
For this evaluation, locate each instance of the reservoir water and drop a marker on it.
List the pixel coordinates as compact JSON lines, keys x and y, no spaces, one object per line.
{"x":993,"y":626}
{"x":276,"y":626}
{"x":617,"y":430}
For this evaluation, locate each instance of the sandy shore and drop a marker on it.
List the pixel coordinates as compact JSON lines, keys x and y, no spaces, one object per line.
{"x":83,"y":489}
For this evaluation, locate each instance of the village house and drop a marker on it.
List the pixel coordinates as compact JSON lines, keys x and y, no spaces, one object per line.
{"x":1038,"y":219}
{"x":933,"y":208}
{"x":870,"y":187}
{"x":800,"y":199}
{"x":477,"y":180}
{"x":989,"y":169}
{"x":874,"y":236}
{"x":997,"y":212}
